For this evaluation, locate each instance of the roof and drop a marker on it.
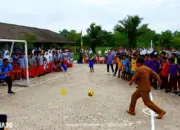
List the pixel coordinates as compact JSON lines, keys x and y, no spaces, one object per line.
{"x":11,"y":31}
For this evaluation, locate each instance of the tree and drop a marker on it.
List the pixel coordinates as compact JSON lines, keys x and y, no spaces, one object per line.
{"x":166,"y":39}
{"x":130,"y":26}
{"x":64,"y":33}
{"x":147,"y":36}
{"x":94,"y":32}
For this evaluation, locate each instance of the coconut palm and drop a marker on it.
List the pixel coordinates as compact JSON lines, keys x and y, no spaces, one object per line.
{"x":131,"y":26}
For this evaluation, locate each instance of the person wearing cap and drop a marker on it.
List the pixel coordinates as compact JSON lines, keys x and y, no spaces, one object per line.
{"x":142,"y":76}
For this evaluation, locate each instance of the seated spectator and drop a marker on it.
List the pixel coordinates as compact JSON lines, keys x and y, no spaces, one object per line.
{"x":4,"y":70}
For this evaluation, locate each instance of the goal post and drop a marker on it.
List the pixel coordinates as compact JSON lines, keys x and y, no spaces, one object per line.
{"x":26,"y":53}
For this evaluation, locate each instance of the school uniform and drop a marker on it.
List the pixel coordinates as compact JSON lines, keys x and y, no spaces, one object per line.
{"x":164,"y":75}
{"x":147,"y":62}
{"x":31,"y":65}
{"x":110,"y":62}
{"x":50,"y":62}
{"x":119,"y":67}
{"x":22,"y":63}
{"x":173,"y":77}
{"x":41,"y":65}
{"x":91,"y":63}
{"x":155,"y":66}
{"x":179,"y":78}
{"x":133,"y":66}
{"x":116,"y":68}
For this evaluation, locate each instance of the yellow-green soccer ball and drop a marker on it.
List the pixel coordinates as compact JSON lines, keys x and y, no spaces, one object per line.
{"x":90,"y":93}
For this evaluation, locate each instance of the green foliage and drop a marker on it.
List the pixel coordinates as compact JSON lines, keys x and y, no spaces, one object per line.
{"x":128,"y":33}
{"x":131,"y":26}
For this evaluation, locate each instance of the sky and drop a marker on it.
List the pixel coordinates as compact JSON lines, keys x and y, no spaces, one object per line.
{"x":57,"y":15}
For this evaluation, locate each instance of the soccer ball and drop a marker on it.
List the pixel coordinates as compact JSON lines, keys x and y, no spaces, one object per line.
{"x":90,"y":93}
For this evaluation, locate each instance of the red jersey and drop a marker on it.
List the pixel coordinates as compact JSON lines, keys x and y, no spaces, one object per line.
{"x":165,"y":69}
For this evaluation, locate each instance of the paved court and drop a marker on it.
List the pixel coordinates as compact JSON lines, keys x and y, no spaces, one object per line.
{"x":41,"y":107}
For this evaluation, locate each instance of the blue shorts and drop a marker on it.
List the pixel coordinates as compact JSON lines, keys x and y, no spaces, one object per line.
{"x":91,"y":66}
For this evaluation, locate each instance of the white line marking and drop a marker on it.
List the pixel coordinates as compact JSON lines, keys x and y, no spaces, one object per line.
{"x":152,"y":115}
{"x":147,"y":112}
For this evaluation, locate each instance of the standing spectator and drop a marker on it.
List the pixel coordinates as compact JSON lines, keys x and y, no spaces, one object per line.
{"x":155,"y":66}
{"x":81,"y":57}
{"x":178,"y":73}
{"x":173,"y":76}
{"x":1,"y":59}
{"x":117,"y":60}
{"x":41,"y":64}
{"x":110,"y":62}
{"x":4,"y":70}
{"x":22,"y":63}
{"x":133,"y":65}
{"x":146,"y":60}
{"x":164,"y":74}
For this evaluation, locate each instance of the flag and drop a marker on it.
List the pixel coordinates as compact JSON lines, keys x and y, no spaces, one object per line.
{"x":81,"y":42}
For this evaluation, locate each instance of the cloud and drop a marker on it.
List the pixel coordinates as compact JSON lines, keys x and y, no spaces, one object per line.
{"x":78,"y":14}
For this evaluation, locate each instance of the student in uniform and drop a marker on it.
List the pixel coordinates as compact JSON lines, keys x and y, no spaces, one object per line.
{"x":155,"y":66}
{"x":133,"y":65}
{"x":1,"y":59}
{"x":116,"y":68}
{"x":119,"y":65}
{"x":178,"y":73}
{"x":91,"y":63}
{"x":22,"y":63}
{"x":31,"y":65}
{"x":173,"y":76}
{"x":41,"y":64}
{"x":110,"y":58}
{"x":129,"y":66}
{"x":146,"y":60}
{"x":164,"y":73}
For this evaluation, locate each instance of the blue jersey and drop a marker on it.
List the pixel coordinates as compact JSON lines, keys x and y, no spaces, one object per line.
{"x":91,"y":62}
{"x":110,"y":59}
{"x":5,"y":69}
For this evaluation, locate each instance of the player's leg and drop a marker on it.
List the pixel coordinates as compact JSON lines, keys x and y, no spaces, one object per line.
{"x":135,"y":96}
{"x":151,"y":105}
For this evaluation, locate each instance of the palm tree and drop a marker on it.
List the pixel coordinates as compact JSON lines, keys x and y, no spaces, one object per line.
{"x":94,"y":33}
{"x":130,"y":26}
